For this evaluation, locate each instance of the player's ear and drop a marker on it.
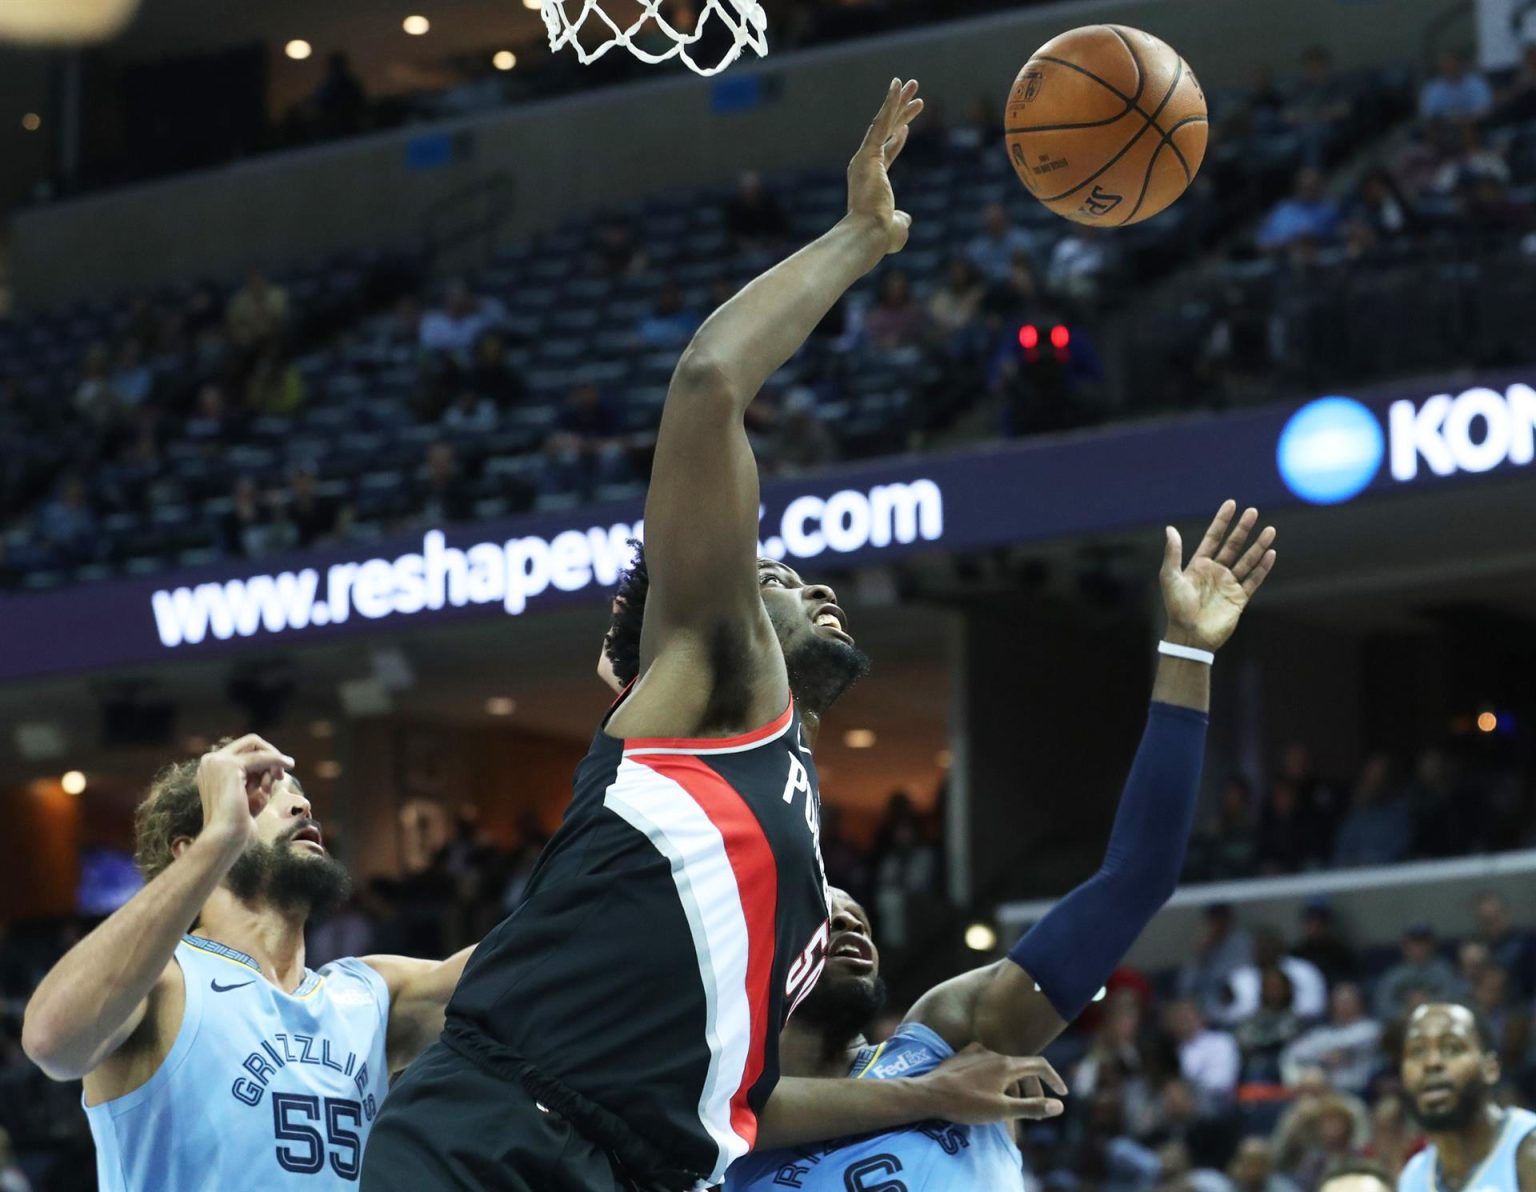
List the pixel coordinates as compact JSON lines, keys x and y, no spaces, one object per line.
{"x":180,"y":845}
{"x":1491,"y":1072}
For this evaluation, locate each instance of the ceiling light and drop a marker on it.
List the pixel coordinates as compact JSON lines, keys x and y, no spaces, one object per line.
{"x":298,"y":49}
{"x":859,"y":738}
{"x":1487,"y":722}
{"x":535,"y":5}
{"x":31,"y":122}
{"x":328,"y":769}
{"x":73,"y":782}
{"x":322,"y":729}
{"x":416,"y":25}
{"x":504,"y":60}
{"x":980,"y":937}
{"x":500,"y":705}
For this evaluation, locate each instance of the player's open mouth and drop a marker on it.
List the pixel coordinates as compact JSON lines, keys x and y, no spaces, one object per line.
{"x":832,"y":620}
{"x":309,"y":834}
{"x":854,"y":951}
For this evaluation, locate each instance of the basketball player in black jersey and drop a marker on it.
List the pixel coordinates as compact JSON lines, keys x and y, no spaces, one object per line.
{"x":620,"y":1029}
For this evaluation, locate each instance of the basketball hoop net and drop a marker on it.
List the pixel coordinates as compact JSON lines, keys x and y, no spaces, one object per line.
{"x":744,"y":19}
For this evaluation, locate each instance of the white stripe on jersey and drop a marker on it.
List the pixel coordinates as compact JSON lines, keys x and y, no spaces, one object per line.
{"x":669,"y":817}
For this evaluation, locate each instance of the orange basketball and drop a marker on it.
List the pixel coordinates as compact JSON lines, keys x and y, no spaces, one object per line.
{"x":1106,"y":125}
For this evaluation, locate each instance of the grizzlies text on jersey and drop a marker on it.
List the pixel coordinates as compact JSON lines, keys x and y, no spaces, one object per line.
{"x":261,"y":1088}
{"x":926,"y":1157}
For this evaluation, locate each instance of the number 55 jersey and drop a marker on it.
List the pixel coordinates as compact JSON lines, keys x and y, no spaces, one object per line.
{"x":260,"y":1089}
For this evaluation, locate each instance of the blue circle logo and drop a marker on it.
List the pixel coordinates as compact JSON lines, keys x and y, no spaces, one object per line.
{"x":1330,"y":450}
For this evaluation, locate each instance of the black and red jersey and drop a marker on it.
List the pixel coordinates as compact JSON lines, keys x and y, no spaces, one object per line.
{"x":668,"y":931}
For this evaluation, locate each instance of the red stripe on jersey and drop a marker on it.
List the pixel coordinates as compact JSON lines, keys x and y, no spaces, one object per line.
{"x":772,"y":729}
{"x":757,"y":881}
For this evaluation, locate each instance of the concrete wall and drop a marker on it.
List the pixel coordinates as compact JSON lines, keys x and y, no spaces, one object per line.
{"x":582,"y":151}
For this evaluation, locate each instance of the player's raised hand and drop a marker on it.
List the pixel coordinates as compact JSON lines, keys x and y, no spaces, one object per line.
{"x":869,"y":184}
{"x":977,"y":1087}
{"x":1205,"y":599}
{"x":235,"y":783}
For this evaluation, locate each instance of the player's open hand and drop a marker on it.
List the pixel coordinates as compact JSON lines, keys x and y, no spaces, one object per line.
{"x":235,"y":783}
{"x":1205,"y":599}
{"x":869,"y":184}
{"x":978,"y":1087}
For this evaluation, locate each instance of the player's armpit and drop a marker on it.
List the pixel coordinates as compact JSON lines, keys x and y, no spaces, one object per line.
{"x":418,"y":996}
{"x":999,"y":1006}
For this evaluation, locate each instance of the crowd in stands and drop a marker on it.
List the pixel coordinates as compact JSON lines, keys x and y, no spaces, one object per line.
{"x":1440,"y":806}
{"x":358,"y":397}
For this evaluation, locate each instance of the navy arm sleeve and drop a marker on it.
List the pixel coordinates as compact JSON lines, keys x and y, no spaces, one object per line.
{"x":1072,"y":951}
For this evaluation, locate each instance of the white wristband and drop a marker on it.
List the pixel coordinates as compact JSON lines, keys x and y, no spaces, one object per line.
{"x":1189,"y":652}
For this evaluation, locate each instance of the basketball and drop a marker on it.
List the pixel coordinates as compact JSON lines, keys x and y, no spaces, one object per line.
{"x":1106,"y":125}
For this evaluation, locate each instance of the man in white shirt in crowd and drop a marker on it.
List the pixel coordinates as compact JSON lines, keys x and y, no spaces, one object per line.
{"x":1309,"y":988}
{"x":1347,"y":1047}
{"x":1208,"y":1059}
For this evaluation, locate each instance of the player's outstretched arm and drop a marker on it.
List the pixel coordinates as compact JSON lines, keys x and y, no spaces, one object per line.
{"x":974,"y":1088}
{"x":702,"y":510}
{"x":418,"y":997}
{"x":97,"y":996}
{"x":1020,"y":1004}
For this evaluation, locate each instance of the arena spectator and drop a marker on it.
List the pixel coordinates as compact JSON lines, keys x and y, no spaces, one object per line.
{"x":66,"y":522}
{"x":1379,"y":827}
{"x":1394,"y":1133}
{"x":1490,"y":214}
{"x":1457,"y":92}
{"x":457,"y":325}
{"x":443,"y":493}
{"x":797,"y":438}
{"x":1000,"y":241}
{"x":1080,"y":264}
{"x":896,"y":320}
{"x":1289,"y":839}
{"x":275,"y":385}
{"x":1465,"y":159}
{"x":1177,"y":1170}
{"x":492,"y":374}
{"x":1271,"y":1027}
{"x":1347,"y":1048}
{"x":1253,"y":1168}
{"x":1224,"y":848}
{"x":1187,"y":1114}
{"x":906,"y":868}
{"x":1322,"y":1127}
{"x":1245,"y":986}
{"x":1510,"y":948}
{"x":95,"y":399}
{"x":956,"y":305}
{"x":1321,"y":943}
{"x":133,"y":382}
{"x":1319,"y":799}
{"x":669,"y":324}
{"x":1319,"y":105}
{"x":258,"y":312}
{"x":1208,"y":1059}
{"x":12,"y":1177}
{"x":586,"y":448}
{"x":615,"y":250}
{"x":1258,"y":110}
{"x":212,"y":422}
{"x":1307,"y":214}
{"x":979,"y":131}
{"x":1422,"y":974}
{"x":1224,"y":948}
{"x":1516,"y":99}
{"x":1379,"y":215}
{"x":755,"y":220}
{"x":1510,"y":1023}
{"x":1115,"y":1060}
{"x":313,"y":517}
{"x":258,"y":524}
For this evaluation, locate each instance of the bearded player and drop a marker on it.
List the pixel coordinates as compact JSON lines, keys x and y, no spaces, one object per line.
{"x":620,"y":1028}
{"x":212,"y":1057}
{"x":1450,"y":1068}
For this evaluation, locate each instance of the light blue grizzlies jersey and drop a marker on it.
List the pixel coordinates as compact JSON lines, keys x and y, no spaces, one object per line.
{"x":926,"y":1157}
{"x":261,"y":1089}
{"x":1496,"y":1173}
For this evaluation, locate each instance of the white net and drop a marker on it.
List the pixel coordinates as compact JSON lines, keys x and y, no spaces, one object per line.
{"x":651,"y":37}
